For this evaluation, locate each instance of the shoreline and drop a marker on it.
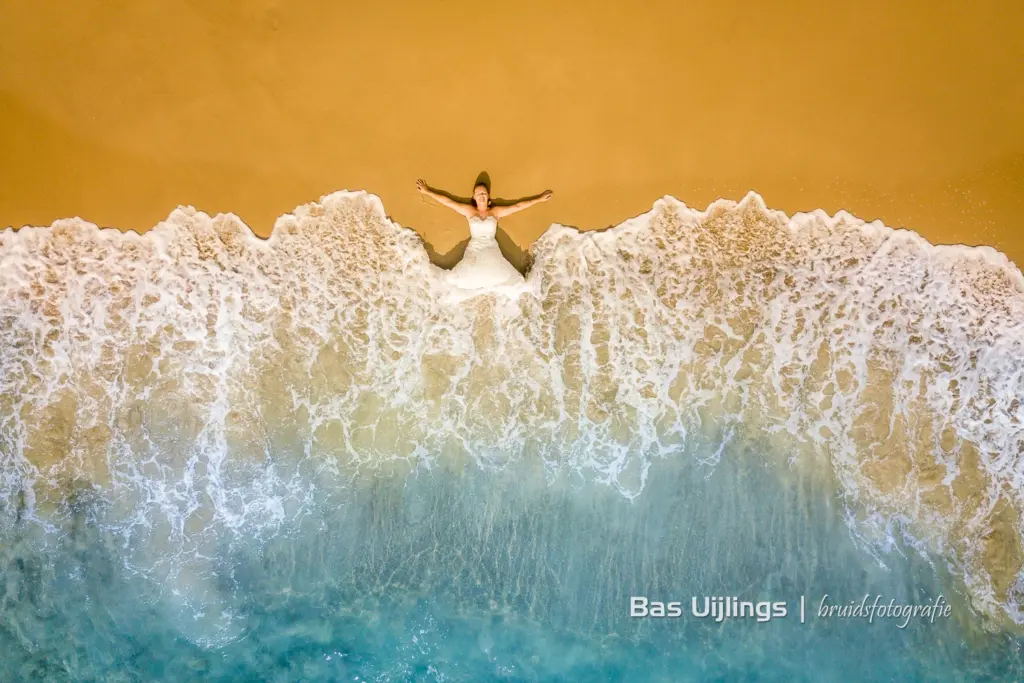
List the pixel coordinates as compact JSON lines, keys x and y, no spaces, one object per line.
{"x":993,"y":256}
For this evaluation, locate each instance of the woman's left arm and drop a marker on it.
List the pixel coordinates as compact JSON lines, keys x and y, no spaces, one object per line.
{"x":501,"y":211}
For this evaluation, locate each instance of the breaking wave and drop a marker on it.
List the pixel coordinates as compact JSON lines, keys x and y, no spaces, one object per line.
{"x":196,"y":381}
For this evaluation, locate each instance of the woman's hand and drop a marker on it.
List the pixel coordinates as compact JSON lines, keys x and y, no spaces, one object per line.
{"x":546,"y":196}
{"x":421,"y":185}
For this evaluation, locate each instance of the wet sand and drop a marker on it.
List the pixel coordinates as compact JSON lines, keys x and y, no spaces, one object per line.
{"x":118,"y":112}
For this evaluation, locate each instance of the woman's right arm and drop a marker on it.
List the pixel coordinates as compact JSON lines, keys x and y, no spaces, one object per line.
{"x":464,"y":209}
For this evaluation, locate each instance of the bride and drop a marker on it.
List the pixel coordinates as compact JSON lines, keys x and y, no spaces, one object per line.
{"x":483,"y":266}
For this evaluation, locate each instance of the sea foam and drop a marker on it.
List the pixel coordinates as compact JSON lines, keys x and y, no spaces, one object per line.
{"x":195,"y":379}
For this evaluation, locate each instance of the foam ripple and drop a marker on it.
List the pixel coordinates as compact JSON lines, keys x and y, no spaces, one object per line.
{"x":197,"y":376}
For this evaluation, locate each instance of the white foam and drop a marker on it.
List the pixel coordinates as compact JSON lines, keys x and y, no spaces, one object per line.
{"x":197,"y":373}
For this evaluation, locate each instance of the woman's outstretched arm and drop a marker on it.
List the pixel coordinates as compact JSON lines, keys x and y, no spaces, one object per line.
{"x":500,"y":211}
{"x":464,"y":209}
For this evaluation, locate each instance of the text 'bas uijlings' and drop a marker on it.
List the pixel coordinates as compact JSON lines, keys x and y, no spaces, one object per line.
{"x":716,"y":608}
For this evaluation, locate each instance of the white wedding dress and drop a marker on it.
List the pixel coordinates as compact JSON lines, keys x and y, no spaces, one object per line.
{"x":483,"y":268}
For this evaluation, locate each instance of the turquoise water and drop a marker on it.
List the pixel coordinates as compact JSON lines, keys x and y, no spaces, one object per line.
{"x":304,"y":459}
{"x":472,"y":576}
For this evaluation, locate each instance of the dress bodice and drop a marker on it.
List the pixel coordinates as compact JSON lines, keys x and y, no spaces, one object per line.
{"x":483,"y":228}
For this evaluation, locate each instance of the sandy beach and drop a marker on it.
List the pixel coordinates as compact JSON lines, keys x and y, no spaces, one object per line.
{"x":908,"y":113}
{"x":321,"y":457}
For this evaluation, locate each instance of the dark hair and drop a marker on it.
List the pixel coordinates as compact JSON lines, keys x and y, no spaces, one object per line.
{"x":490,"y":202}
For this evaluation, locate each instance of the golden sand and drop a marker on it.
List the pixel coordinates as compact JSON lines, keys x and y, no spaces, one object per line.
{"x":907,"y":112}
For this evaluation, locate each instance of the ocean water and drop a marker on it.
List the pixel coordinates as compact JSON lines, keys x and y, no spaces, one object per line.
{"x":302,"y":458}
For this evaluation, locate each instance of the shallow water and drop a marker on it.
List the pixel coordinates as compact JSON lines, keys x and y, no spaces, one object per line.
{"x":300,"y":459}
{"x":476,"y":576}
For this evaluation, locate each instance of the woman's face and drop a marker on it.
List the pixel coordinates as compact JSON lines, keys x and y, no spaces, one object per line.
{"x":480,"y":195}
